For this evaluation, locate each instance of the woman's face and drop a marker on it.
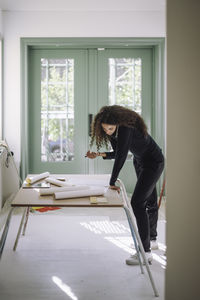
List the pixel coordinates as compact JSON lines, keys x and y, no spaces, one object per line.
{"x":109,"y":129}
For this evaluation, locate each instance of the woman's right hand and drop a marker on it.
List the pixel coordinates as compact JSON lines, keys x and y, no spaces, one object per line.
{"x":115,"y":187}
{"x":91,"y":155}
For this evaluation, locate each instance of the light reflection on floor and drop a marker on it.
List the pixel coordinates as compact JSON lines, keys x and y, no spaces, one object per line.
{"x":121,"y":242}
{"x":115,"y":231}
{"x":64,"y":287}
{"x":106,"y":226}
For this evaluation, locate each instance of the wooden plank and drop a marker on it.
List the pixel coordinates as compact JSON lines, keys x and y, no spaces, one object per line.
{"x":31,"y":197}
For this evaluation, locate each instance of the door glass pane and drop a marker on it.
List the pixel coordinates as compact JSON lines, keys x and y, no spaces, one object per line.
{"x":125,"y":77}
{"x":57,"y":110}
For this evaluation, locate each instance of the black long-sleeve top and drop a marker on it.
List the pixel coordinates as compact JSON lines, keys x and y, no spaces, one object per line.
{"x":144,"y":149}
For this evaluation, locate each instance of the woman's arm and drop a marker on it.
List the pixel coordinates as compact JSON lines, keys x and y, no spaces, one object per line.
{"x":123,"y":145}
{"x":111,"y":154}
{"x":102,"y":154}
{"x":93,"y":155}
{"x":105,"y":155}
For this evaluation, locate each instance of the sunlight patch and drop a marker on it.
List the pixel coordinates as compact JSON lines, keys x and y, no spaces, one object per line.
{"x":121,"y":242}
{"x":105,"y":227}
{"x":64,"y":287}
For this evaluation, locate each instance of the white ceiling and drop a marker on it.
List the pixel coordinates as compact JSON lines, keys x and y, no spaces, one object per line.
{"x":82,"y":5}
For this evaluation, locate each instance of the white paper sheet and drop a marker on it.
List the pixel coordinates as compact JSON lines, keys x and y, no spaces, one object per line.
{"x":53,"y":190}
{"x":32,"y":179}
{"x":89,"y":181}
{"x":79,"y":194}
{"x":57,"y":182}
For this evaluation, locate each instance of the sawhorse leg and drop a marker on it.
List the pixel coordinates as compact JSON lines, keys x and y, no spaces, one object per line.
{"x":131,"y":220}
{"x":134,"y":239}
{"x":19,"y":230}
{"x":26,"y":220}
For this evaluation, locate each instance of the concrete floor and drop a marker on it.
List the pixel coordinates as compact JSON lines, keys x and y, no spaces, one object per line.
{"x":77,"y":254}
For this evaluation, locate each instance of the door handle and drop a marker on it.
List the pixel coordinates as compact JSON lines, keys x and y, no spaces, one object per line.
{"x":90,"y":117}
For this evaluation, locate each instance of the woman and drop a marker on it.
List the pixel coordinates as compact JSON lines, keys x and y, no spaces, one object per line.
{"x":126,"y":131}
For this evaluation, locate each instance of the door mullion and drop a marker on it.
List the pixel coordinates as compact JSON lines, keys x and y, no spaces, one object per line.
{"x":92,"y":97}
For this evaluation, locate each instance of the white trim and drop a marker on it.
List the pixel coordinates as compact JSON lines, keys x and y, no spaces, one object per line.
{"x":1,"y":90}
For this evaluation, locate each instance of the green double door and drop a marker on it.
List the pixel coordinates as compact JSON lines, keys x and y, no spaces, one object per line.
{"x":66,"y":88}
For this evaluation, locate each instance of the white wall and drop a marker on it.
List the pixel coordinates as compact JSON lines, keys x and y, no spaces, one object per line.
{"x":62,"y":24}
{"x":1,"y":34}
{"x":1,"y":23}
{"x":183,"y":150}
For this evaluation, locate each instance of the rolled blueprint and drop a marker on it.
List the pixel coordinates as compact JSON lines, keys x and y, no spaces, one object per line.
{"x":32,"y":179}
{"x":56,"y":182}
{"x":79,"y":194}
{"x":53,"y":190}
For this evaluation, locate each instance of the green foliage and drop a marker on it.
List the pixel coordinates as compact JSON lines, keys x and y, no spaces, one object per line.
{"x":125,"y":83}
{"x":57,"y":97}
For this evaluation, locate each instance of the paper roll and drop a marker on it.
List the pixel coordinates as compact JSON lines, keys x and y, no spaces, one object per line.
{"x":32,"y":179}
{"x":56,"y":182}
{"x":79,"y":194}
{"x":53,"y":190}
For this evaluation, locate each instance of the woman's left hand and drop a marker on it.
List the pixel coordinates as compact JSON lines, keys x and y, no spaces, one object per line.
{"x":114,"y":187}
{"x":91,"y":155}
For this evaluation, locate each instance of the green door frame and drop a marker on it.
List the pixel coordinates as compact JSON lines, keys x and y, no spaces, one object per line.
{"x":158,"y":106}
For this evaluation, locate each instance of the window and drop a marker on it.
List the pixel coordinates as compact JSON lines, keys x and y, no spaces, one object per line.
{"x":125,"y":83}
{"x":57,"y":109}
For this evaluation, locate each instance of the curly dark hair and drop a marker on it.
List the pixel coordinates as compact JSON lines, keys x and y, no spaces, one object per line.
{"x":114,"y":115}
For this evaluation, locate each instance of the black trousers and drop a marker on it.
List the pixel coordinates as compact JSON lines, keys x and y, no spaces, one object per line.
{"x":144,"y":200}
